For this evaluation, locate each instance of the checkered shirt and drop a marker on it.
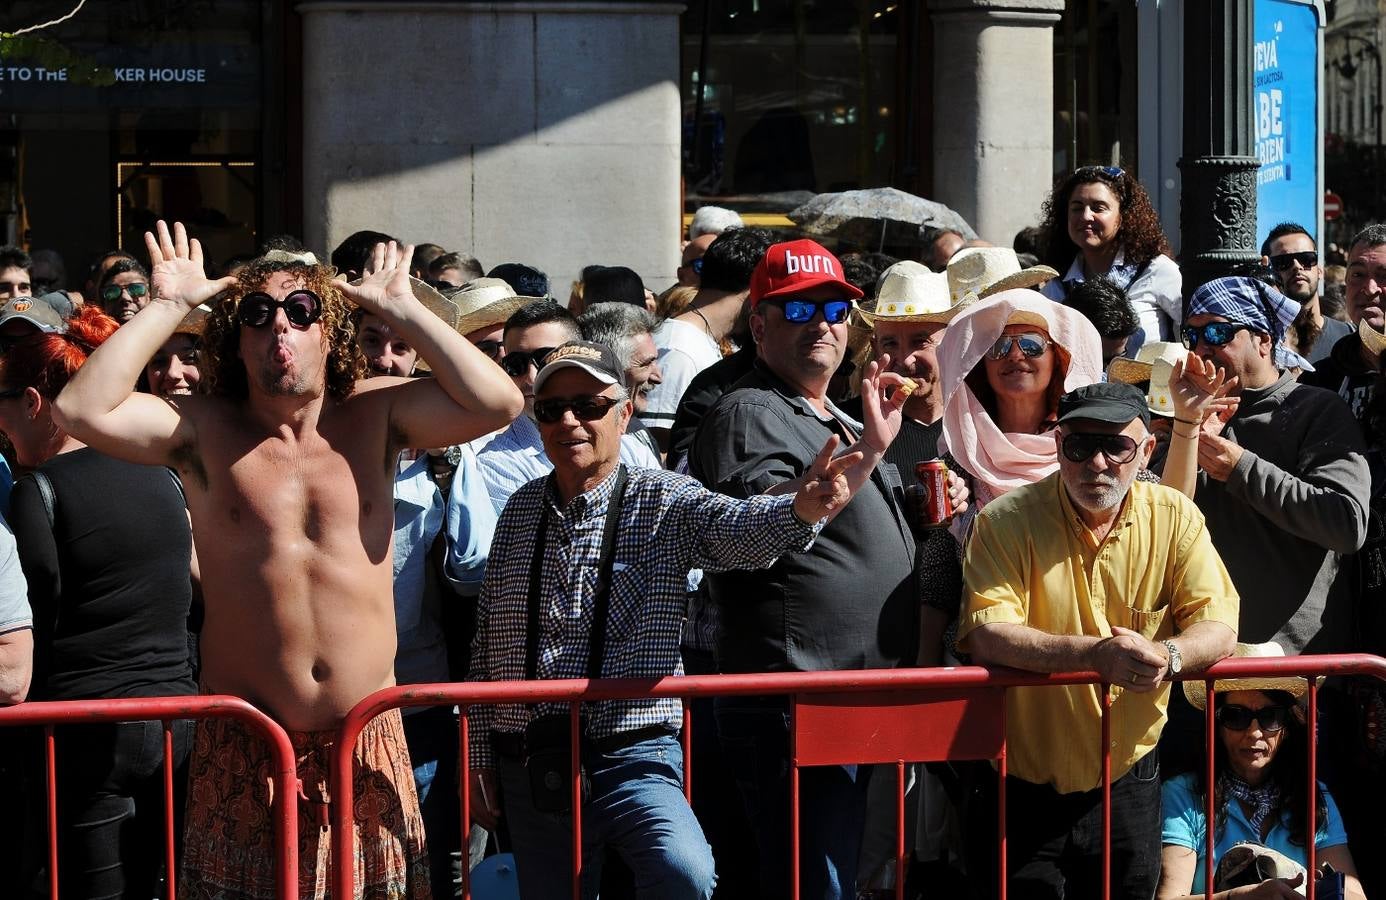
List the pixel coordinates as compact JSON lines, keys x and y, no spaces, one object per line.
{"x":670,"y":524}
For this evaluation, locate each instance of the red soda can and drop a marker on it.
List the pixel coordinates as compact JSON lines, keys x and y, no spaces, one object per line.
{"x":934,"y":508}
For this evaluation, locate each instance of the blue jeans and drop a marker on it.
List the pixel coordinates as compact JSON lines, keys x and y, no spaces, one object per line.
{"x":431,"y":736}
{"x":754,"y":732}
{"x":636,"y":806}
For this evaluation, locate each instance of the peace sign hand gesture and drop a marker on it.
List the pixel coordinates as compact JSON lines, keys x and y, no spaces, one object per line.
{"x":825,"y":487}
{"x":386,"y":281}
{"x":176,"y":270}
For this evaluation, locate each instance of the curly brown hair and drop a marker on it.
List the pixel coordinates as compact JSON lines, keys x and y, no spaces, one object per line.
{"x":224,"y":373}
{"x":1142,"y":238}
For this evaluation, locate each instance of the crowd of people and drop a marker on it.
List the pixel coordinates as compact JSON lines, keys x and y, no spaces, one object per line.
{"x":1143,"y":477}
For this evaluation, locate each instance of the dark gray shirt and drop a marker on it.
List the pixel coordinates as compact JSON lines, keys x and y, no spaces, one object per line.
{"x":850,"y":602}
{"x":1294,"y":504}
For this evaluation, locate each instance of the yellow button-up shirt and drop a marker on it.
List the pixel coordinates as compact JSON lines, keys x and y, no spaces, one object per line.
{"x":1031,"y":561}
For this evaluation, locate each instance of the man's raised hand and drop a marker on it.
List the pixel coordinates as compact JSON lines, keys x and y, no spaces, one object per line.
{"x":175,"y":267}
{"x":1199,"y":388}
{"x":881,"y":414}
{"x":386,"y":279}
{"x":825,"y":487}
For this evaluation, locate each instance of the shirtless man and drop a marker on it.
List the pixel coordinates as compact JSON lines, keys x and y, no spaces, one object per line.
{"x":289,"y":473}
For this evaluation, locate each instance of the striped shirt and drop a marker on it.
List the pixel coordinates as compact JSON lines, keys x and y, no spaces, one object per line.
{"x":669,"y":524}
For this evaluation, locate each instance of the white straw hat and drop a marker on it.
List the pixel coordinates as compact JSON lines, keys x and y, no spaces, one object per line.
{"x":910,"y":292}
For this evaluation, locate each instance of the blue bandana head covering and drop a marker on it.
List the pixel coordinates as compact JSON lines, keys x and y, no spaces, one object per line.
{"x":1249,"y":302}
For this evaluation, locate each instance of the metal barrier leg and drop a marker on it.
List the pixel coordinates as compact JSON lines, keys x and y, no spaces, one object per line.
{"x":51,"y":767}
{"x":575,"y":728}
{"x":170,"y":856}
{"x":1311,"y":830}
{"x":1001,"y":825}
{"x":464,"y":774}
{"x":1209,"y":812}
{"x":687,"y":751}
{"x":900,"y":830}
{"x":1106,"y":791}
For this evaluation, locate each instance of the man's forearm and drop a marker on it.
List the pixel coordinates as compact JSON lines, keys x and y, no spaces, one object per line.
{"x":464,"y":373}
{"x":1023,"y":647}
{"x":1204,"y":643}
{"x":109,"y":375}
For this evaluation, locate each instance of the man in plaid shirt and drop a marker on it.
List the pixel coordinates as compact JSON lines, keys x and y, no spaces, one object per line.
{"x":549,"y":544}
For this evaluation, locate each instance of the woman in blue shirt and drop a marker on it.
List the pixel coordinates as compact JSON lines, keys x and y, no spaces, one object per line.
{"x":1260,"y":757}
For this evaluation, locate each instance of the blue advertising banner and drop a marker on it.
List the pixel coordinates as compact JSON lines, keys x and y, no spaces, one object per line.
{"x":1286,"y":96}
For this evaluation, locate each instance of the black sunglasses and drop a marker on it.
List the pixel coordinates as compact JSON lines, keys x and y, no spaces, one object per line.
{"x":111,"y":292}
{"x":1109,"y":171}
{"x":1239,"y":718}
{"x":517,"y":362}
{"x":1081,"y":447}
{"x":490,"y":348}
{"x":1307,"y":259}
{"x":1216,"y":334}
{"x":587,"y":407}
{"x":301,"y":307}
{"x":801,"y":312}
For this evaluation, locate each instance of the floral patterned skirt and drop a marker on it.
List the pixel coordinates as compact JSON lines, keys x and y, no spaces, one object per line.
{"x":229,"y":836}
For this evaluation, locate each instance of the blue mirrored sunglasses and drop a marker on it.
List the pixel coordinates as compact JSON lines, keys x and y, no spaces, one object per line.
{"x":802,"y":311}
{"x":1215,"y":334}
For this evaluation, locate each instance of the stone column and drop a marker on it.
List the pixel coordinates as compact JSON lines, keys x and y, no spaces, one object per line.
{"x":994,"y":110}
{"x":537,"y":132}
{"x":1217,"y":219}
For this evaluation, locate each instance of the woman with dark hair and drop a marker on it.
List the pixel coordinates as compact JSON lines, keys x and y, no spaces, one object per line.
{"x":1099,"y":221}
{"x":123,"y":289}
{"x":106,"y":550}
{"x":1260,"y":758}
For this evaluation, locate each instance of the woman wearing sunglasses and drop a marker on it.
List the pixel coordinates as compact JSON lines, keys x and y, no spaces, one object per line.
{"x":106,"y":549}
{"x":124,"y":290}
{"x":1099,"y":221}
{"x":1260,"y":757}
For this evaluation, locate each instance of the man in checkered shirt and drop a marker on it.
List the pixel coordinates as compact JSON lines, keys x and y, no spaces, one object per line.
{"x":667,"y":524}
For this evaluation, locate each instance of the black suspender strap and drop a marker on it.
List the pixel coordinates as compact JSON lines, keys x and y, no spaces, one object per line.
{"x":601,"y":599}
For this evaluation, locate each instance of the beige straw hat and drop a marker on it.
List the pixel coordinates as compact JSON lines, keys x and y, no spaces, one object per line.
{"x":910,"y":292}
{"x":1372,"y":339}
{"x":1154,"y":363}
{"x":485,"y":301}
{"x":1295,"y":686}
{"x":984,"y":271}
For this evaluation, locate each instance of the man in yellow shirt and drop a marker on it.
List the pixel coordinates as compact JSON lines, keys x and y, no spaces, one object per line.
{"x":1090,"y":569}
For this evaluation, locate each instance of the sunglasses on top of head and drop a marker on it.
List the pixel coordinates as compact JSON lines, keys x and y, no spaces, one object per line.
{"x":1081,"y":447}
{"x":111,"y":292}
{"x":801,"y":312}
{"x":301,"y":307}
{"x":587,"y":408}
{"x":1239,"y":718}
{"x":517,"y":362}
{"x":1031,"y":345}
{"x":1215,"y":334}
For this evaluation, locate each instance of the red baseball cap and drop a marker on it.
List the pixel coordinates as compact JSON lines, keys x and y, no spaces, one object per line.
{"x":796,"y":266}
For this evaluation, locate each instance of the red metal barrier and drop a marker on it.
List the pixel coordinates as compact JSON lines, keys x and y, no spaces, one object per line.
{"x":167,"y":710}
{"x":888,"y":716}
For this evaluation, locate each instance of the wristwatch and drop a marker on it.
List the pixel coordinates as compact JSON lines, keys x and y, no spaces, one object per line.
{"x":1176,"y":660}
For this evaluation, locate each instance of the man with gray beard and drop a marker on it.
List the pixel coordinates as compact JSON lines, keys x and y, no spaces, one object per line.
{"x":1091,"y":570}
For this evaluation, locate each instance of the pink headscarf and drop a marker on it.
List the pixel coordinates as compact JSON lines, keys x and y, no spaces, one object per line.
{"x":999,"y":461}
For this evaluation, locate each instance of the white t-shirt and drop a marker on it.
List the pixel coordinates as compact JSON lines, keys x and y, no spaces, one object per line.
{"x":684,"y":351}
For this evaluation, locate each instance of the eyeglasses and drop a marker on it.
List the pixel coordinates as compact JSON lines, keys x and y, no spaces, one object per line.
{"x":1109,"y":171}
{"x":1307,"y":259}
{"x":801,"y":312}
{"x":301,"y":307}
{"x":490,"y":348}
{"x":111,"y":292}
{"x":1081,"y":447}
{"x":1239,"y":718}
{"x":517,"y":362}
{"x":587,"y":407}
{"x":1215,"y":334}
{"x":1031,"y":345}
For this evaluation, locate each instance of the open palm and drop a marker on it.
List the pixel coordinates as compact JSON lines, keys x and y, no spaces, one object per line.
{"x":386,"y":278}
{"x":176,"y":268}
{"x":1198,"y":387}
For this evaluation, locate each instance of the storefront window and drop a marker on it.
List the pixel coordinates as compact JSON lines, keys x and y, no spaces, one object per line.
{"x":1094,"y":82}
{"x":129,"y":112}
{"x":797,"y":97}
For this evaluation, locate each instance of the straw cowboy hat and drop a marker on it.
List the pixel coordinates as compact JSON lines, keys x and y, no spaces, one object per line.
{"x":1294,"y":686}
{"x":984,"y":271}
{"x":1154,"y":363}
{"x":195,"y":322}
{"x":1372,"y":339}
{"x":485,"y":301}
{"x":910,"y":292}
